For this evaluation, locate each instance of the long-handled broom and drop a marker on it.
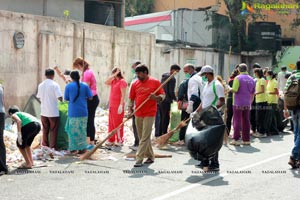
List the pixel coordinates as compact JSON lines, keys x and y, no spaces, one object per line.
{"x":89,"y":153}
{"x":162,"y":140}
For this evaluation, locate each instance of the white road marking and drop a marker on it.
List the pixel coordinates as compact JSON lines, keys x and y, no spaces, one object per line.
{"x":189,"y":187}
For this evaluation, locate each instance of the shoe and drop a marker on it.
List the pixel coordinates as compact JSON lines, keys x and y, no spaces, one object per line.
{"x":213,"y":168}
{"x":134,"y":148}
{"x":82,"y":151}
{"x":235,"y":143}
{"x":246,"y":142}
{"x":90,"y":147}
{"x":292,"y":162}
{"x":3,"y":172}
{"x":138,"y":164}
{"x":200,"y":165}
{"x":298,"y":164}
{"x":259,"y":135}
{"x":149,"y":161}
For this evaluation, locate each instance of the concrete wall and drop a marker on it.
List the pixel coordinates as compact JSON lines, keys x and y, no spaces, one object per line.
{"x":53,"y":8}
{"x":51,"y":41}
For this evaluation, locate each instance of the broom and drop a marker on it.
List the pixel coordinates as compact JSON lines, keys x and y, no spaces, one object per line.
{"x":155,"y":155}
{"x":162,"y":140}
{"x":110,"y":134}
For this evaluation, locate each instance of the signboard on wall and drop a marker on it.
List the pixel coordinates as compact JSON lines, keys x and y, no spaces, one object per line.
{"x":19,"y":40}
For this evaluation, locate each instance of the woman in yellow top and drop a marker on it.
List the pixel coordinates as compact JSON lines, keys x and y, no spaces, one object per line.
{"x":261,"y":102}
{"x":272,"y":99}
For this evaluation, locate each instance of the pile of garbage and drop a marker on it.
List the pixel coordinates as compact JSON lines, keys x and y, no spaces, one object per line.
{"x":14,"y":157}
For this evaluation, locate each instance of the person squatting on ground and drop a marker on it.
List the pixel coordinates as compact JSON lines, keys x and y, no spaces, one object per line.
{"x":3,"y":166}
{"x":89,"y":78}
{"x":140,"y":90}
{"x":294,"y":160}
{"x":213,"y":95}
{"x":243,"y":90}
{"x":135,"y":145}
{"x":77,"y":93}
{"x":116,"y":106}
{"x":49,"y":93}
{"x":28,"y":127}
{"x":162,"y":118}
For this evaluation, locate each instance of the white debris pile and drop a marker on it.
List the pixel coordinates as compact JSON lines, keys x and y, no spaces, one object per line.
{"x":13,"y":155}
{"x":101,"y":122}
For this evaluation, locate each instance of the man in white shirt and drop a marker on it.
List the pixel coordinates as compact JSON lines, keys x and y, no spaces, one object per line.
{"x":213,"y":95}
{"x":282,"y":79}
{"x":49,"y":93}
{"x":195,"y":88}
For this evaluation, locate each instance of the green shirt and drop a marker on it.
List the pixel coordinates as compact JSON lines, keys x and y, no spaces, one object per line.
{"x":26,"y":118}
{"x":261,"y":97}
{"x":272,"y":98}
{"x":289,"y":81}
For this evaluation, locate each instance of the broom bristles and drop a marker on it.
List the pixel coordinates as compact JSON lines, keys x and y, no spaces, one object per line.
{"x":162,"y":140}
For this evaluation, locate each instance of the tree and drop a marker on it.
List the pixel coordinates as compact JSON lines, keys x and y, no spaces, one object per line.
{"x":239,"y":20}
{"x":138,"y":7}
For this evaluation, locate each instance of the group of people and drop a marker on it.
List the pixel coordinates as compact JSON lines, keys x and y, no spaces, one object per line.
{"x":251,"y":103}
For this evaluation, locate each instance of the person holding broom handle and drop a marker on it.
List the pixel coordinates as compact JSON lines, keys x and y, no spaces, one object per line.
{"x":213,"y":95}
{"x":140,"y":90}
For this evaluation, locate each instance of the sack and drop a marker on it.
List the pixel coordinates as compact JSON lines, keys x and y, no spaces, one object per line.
{"x":207,"y":116}
{"x":206,"y":143}
{"x":292,"y":94}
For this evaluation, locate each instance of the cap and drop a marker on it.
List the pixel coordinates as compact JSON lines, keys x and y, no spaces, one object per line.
{"x":206,"y":69}
{"x":256,"y":65}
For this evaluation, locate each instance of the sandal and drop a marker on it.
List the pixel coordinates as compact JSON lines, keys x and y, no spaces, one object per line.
{"x":149,"y":161}
{"x":24,"y":166}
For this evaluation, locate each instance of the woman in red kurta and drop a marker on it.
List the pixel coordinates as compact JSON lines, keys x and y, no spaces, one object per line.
{"x":116,"y":106}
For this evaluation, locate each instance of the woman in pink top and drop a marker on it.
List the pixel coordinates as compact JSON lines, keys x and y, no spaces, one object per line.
{"x":116,"y":105}
{"x":89,"y":78}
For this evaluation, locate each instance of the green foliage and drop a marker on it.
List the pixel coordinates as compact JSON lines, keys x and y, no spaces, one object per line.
{"x":138,"y":7}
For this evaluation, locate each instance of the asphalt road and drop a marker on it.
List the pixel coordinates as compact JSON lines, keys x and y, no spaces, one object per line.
{"x":259,"y":171}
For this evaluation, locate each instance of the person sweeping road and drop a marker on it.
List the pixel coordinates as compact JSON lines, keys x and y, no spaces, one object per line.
{"x":213,"y":94}
{"x":144,"y":117}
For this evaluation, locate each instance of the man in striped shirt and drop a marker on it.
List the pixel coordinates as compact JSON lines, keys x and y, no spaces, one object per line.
{"x":295,"y":156}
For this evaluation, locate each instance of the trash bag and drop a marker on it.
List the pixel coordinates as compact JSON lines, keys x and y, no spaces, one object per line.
{"x":206,"y":142}
{"x":207,"y":116}
{"x":281,"y":123}
{"x":174,"y":121}
{"x":62,"y":141}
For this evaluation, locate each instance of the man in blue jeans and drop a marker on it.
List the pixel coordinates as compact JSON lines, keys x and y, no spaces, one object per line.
{"x":294,"y":160}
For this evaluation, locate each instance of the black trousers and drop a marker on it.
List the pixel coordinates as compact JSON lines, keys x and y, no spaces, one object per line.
{"x":271,"y":119}
{"x":261,"y":109}
{"x":213,"y":162}
{"x":135,"y":133}
{"x":229,"y":114}
{"x":184,"y":116}
{"x":162,"y":123}
{"x":253,"y":116}
{"x":92,"y":106}
{"x":3,"y":166}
